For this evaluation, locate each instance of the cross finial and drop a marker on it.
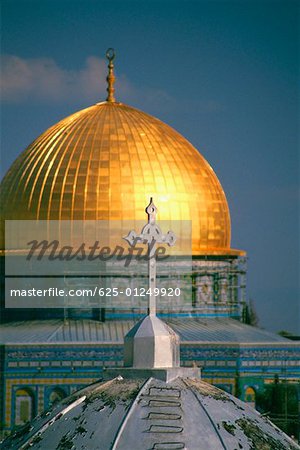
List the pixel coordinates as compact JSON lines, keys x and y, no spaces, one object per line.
{"x":151,"y":234}
{"x":151,"y":210}
{"x":110,"y":55}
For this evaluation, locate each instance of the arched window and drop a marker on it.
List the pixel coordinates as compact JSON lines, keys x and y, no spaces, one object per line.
{"x":24,"y":406}
{"x":56,"y":395}
{"x":250,"y":396}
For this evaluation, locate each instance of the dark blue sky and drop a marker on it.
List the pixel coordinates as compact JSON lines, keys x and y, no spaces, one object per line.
{"x":223,"y":73}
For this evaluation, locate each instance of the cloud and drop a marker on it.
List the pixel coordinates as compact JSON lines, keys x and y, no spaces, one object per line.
{"x":42,"y":80}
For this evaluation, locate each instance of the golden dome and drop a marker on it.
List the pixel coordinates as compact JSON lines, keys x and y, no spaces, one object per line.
{"x":105,"y":162}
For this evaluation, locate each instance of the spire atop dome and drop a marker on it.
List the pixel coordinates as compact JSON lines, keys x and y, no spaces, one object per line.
{"x":110,"y":55}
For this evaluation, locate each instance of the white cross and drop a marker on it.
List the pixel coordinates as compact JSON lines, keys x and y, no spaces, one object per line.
{"x":151,"y":234}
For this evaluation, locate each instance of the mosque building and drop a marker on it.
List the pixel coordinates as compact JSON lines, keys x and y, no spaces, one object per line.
{"x":103,"y":163}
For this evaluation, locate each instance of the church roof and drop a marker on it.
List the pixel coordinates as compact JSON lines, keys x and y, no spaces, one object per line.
{"x":189,"y":329}
{"x":141,"y":414}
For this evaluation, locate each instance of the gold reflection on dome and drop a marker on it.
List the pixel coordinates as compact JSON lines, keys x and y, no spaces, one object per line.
{"x":105,"y":162}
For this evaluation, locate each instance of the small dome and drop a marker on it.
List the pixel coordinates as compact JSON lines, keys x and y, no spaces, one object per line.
{"x":105,"y":162}
{"x":151,"y":414}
